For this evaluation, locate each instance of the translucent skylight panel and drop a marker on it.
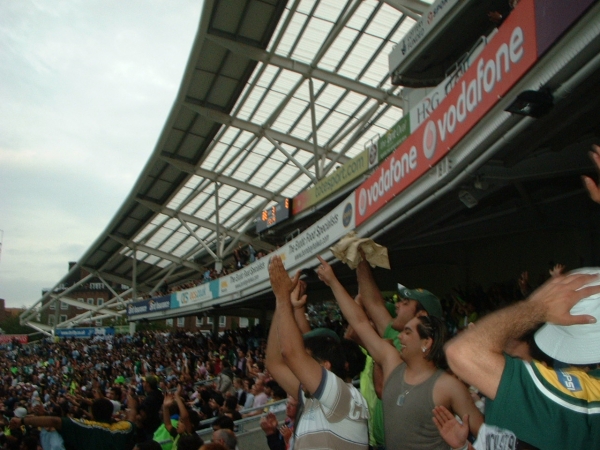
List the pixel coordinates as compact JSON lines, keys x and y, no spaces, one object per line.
{"x":270,"y":103}
{"x":328,"y":10}
{"x":384,"y":21}
{"x":288,"y":42}
{"x":286,"y":172}
{"x":246,"y":111}
{"x":306,"y":6}
{"x":151,"y":259}
{"x":359,"y":18}
{"x":312,"y":39}
{"x":174,"y":240}
{"x":360,"y":56}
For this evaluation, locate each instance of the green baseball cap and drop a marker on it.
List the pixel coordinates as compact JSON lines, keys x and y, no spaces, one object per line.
{"x":322,"y":332}
{"x":429,"y":301}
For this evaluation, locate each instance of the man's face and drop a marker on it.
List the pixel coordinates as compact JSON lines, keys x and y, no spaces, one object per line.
{"x":410,"y":339}
{"x":258,"y":387}
{"x":406,"y":309}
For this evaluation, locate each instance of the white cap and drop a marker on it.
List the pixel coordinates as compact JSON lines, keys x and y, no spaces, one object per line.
{"x":20,"y":412}
{"x":575,"y":344}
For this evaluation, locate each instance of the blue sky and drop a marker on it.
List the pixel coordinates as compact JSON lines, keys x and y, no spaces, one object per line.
{"x":86,"y":87}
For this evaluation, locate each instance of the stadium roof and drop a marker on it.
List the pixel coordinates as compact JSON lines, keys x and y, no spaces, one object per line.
{"x":276,"y":95}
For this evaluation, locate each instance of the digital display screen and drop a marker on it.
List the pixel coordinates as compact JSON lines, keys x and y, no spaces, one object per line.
{"x":274,"y":215}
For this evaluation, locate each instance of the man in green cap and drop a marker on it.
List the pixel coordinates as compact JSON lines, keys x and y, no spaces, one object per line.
{"x":411,"y":302}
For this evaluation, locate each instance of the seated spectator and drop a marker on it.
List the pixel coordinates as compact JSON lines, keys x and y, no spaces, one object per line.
{"x":225,"y":437}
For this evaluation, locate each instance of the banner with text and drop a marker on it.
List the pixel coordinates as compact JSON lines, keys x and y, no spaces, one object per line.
{"x":84,"y":332}
{"x":508,"y":55}
{"x":200,"y":293}
{"x":149,"y":306}
{"x":332,"y":182}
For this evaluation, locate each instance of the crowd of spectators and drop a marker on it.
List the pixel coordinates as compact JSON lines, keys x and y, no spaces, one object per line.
{"x":152,"y":373}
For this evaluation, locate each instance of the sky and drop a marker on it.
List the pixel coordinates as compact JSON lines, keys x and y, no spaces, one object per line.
{"x":85,"y":89}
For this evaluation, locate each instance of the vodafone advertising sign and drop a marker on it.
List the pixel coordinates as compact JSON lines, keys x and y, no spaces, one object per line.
{"x":508,"y":56}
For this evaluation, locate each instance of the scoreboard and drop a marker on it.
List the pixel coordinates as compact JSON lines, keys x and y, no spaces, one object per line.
{"x":274,"y":215}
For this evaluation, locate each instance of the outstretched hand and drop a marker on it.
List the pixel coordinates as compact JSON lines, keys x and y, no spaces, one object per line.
{"x":269,"y":424}
{"x":281,"y":283}
{"x":298,"y":297}
{"x":325,"y":272}
{"x":590,"y":184}
{"x":559,"y":294}
{"x":451,"y":430}
{"x":558,"y":269}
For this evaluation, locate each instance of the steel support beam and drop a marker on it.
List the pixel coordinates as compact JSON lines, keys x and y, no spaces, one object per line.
{"x":307,"y":70}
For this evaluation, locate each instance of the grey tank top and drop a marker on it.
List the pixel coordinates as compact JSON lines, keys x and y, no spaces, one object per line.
{"x":407,"y":413}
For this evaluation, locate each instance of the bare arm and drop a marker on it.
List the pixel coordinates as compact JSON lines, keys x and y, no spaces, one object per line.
{"x":167,"y":402}
{"x":371,"y":296}
{"x":460,"y":401}
{"x":275,"y":363}
{"x":381,"y":350}
{"x":184,"y":415}
{"x":476,"y":355}
{"x":37,"y":421}
{"x":305,"y":368}
{"x":298,"y":299}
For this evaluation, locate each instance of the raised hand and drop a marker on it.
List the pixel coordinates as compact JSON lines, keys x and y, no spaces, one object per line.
{"x":298,"y":297}
{"x":559,"y":294}
{"x":269,"y":424}
{"x":451,"y":430}
{"x":281,"y":283}
{"x":590,"y":184}
{"x":558,"y":269}
{"x":325,"y":272}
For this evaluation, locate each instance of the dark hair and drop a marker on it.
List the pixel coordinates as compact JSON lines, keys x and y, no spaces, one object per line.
{"x":271,"y":384}
{"x":189,"y":442}
{"x":102,"y":410}
{"x":279,"y":392}
{"x":434,"y":328}
{"x":149,"y":445}
{"x":223,"y":422}
{"x":326,"y":348}
{"x":355,"y":358}
{"x":231,"y":402}
{"x":217,"y":397}
{"x":117,"y":391}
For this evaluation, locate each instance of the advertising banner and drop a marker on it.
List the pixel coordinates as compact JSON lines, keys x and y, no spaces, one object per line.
{"x":6,"y":338}
{"x":84,"y":332}
{"x":332,"y":182}
{"x":147,"y":306}
{"x":421,"y":111}
{"x":200,"y":293}
{"x":394,"y":137}
{"x":321,"y":235}
{"x":243,"y":278}
{"x":508,"y":55}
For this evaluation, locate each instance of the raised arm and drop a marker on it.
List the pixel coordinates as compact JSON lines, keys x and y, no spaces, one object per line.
{"x":298,"y":299}
{"x":381,"y":351}
{"x":184,"y":415}
{"x":371,"y":297}
{"x":275,"y":363}
{"x":476,"y":355}
{"x":305,"y":368}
